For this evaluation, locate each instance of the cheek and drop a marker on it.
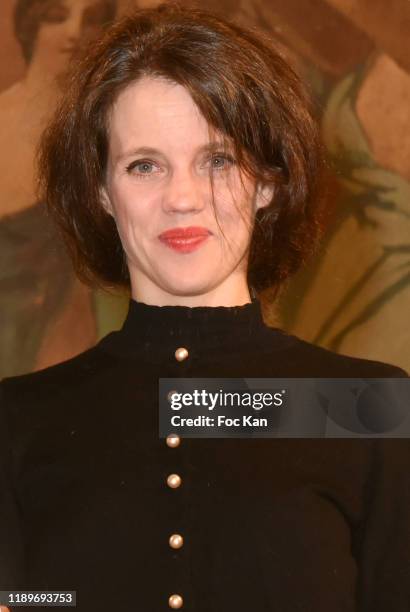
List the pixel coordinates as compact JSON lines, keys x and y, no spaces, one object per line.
{"x":89,"y":32}
{"x":134,"y":212}
{"x":49,"y":36}
{"x":235,"y":210}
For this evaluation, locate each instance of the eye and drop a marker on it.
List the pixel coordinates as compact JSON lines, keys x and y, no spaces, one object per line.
{"x":56,"y":14}
{"x":221,"y":161}
{"x":142,"y":168}
{"x":96,"y":15}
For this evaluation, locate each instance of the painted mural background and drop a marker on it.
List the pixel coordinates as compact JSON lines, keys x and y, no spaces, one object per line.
{"x":354,"y":297}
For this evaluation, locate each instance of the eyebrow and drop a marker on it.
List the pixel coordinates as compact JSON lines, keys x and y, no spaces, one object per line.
{"x":206,"y":148}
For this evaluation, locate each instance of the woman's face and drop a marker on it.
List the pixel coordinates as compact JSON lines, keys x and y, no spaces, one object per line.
{"x":158,"y":189}
{"x":67,"y":23}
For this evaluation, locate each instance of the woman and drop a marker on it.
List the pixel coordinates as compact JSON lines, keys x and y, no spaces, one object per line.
{"x":183,"y":164}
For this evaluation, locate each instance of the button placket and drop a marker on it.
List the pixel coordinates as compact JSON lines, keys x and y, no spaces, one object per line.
{"x":174,"y":481}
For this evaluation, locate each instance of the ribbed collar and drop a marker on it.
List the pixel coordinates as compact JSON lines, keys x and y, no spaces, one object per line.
{"x":156,"y":331}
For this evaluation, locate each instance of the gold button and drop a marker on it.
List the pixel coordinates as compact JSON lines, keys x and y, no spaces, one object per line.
{"x":176,"y":541}
{"x":181,"y":353}
{"x":173,"y":440}
{"x":175,"y":602}
{"x":170,"y":394}
{"x":174,"y":481}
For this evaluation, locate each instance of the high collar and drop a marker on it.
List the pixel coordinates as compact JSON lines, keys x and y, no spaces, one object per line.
{"x":155,"y":332}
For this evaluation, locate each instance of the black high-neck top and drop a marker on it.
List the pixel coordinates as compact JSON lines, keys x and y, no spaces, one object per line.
{"x":226,"y":338}
{"x":152,"y":333}
{"x":268,"y":525}
{"x":156,"y":328}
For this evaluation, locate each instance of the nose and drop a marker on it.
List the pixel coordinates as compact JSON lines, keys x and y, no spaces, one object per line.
{"x":73,"y":27}
{"x":184,"y":193}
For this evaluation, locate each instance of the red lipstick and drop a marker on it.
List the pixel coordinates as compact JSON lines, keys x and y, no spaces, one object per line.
{"x":184,"y":239}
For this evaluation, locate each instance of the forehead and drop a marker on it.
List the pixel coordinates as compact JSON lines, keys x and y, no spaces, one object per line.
{"x":157,"y":113}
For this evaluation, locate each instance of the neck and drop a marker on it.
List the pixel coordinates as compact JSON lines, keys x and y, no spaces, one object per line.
{"x":228,"y":294}
{"x":41,"y":85}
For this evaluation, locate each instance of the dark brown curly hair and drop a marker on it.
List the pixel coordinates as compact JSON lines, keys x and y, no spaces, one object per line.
{"x":243,"y":88}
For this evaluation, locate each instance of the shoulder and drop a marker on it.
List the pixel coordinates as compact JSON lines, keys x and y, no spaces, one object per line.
{"x":57,"y":378}
{"x":47,"y":405}
{"x":304,"y":359}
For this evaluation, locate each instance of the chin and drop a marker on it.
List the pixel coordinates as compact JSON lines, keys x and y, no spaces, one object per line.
{"x":189,"y":280}
{"x":188,"y":289}
{"x":189,"y":286}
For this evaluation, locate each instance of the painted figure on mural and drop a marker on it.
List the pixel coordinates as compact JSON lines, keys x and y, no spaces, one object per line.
{"x":38,"y":292}
{"x":365,"y":266}
{"x":355,"y":297}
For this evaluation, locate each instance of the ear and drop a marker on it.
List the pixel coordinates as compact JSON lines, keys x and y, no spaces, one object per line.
{"x":264,"y":194}
{"x":106,"y":202}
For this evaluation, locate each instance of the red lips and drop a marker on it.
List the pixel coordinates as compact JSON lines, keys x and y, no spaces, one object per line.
{"x":184,"y":239}
{"x":184,"y":232}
